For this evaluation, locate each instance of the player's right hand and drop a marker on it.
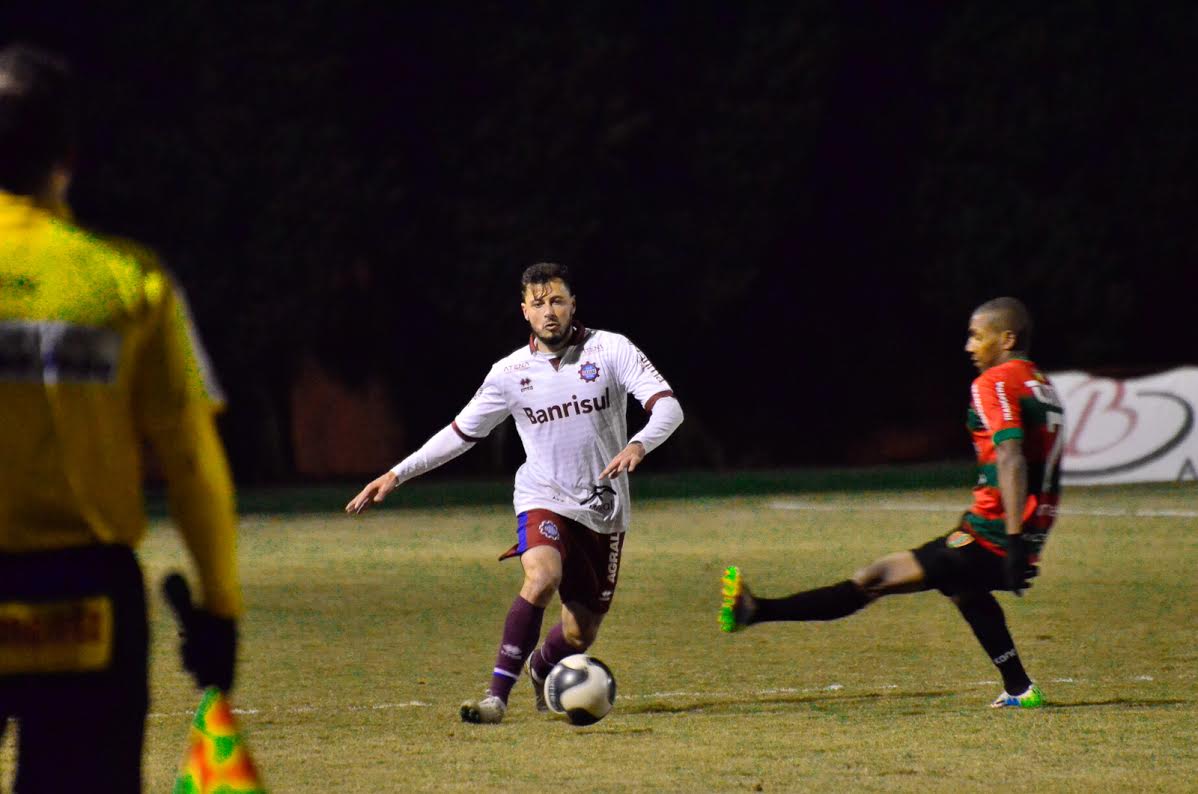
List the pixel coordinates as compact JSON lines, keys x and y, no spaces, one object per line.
{"x":1018,"y":570}
{"x":376,"y":491}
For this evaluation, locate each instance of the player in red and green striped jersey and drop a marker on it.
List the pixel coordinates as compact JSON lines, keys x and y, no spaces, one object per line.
{"x":1017,"y":426}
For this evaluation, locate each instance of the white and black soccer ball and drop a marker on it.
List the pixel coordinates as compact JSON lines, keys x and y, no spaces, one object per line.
{"x":582,"y":688}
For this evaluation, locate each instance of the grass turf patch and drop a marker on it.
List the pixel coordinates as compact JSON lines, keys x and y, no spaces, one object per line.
{"x":365,"y":634}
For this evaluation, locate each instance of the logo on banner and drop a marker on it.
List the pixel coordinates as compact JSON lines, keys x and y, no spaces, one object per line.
{"x":1117,"y":430}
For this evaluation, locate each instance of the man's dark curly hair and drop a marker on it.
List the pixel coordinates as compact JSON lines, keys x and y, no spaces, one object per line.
{"x":543,"y":273}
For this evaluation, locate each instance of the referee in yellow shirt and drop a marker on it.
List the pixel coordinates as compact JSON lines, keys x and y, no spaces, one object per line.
{"x":97,"y":355}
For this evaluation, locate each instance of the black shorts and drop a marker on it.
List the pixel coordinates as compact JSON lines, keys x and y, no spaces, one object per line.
{"x":957,"y":563}
{"x":74,"y":635}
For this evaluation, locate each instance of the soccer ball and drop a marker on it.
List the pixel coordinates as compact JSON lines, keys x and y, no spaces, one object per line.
{"x":582,"y":688}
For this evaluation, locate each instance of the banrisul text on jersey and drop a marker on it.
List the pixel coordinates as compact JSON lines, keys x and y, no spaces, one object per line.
{"x":562,"y":411}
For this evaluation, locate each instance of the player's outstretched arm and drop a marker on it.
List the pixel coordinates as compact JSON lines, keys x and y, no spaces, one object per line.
{"x":664,"y":420}
{"x":375,"y":491}
{"x":664,"y":417}
{"x":443,"y":447}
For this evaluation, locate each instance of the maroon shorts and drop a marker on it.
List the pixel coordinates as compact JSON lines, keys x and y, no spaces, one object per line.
{"x":590,"y":560}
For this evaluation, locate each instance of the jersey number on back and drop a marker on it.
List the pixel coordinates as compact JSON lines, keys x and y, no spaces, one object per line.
{"x":1054,"y":422}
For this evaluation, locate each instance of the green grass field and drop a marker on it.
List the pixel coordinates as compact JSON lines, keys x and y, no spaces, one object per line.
{"x":364,"y":635}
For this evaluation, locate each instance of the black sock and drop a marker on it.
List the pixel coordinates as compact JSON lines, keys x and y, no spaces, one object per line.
{"x":986,"y":619}
{"x":823,"y":603}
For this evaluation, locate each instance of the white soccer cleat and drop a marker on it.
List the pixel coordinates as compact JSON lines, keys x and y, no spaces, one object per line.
{"x":538,"y":687}
{"x":488,"y":711}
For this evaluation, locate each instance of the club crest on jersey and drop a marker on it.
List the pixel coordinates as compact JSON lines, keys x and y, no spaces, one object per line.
{"x":549,"y":530}
{"x":958,"y":539}
{"x":589,"y":372}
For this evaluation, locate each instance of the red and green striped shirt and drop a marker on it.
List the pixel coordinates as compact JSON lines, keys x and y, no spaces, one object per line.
{"x":1014,"y":400}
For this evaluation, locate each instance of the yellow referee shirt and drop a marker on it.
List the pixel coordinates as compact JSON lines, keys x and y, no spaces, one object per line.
{"x":97,"y":353}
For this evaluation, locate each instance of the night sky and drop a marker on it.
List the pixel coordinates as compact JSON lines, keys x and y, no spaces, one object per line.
{"x":792,"y":208}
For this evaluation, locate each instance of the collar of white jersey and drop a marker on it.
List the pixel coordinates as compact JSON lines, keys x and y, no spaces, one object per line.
{"x":578,"y":332}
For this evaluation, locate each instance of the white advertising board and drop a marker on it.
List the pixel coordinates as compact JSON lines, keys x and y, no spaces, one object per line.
{"x":1135,"y":430}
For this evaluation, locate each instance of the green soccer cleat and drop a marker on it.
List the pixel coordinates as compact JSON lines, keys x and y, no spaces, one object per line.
{"x":1032,"y":698}
{"x":739,"y":605}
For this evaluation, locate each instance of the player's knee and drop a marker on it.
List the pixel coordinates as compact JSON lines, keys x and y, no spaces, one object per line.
{"x":875,"y":582}
{"x":539,"y":586}
{"x":896,"y":573}
{"x":870,"y":580}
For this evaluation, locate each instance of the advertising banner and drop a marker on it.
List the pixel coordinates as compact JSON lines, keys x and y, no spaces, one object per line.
{"x":1135,"y":430}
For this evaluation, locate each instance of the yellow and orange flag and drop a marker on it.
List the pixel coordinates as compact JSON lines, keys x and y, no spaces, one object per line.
{"x":218,"y":760}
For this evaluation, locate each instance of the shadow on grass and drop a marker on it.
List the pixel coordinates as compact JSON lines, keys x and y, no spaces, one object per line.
{"x":1132,"y":702}
{"x":612,"y":731}
{"x":732,"y":704}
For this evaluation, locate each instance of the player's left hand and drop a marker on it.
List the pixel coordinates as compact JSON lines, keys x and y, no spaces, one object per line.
{"x":1018,"y":570}
{"x":627,"y":461}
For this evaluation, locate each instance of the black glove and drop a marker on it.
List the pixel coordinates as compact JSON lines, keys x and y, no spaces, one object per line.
{"x":209,"y":642}
{"x":1017,"y":570}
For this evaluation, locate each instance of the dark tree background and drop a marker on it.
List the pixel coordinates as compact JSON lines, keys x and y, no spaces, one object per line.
{"x":792,"y":207}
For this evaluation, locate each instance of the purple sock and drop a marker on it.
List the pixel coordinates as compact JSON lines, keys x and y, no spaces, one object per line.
{"x":520,"y":632}
{"x":552,"y":650}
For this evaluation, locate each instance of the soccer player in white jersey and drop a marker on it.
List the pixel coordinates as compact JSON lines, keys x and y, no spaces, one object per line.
{"x":567,"y":390}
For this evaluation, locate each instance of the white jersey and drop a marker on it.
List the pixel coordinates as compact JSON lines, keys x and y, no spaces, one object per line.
{"x":570,"y":411}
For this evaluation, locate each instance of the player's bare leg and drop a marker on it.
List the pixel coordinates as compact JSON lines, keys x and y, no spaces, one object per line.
{"x":895,"y":573}
{"x":542,"y":575}
{"x":575,"y":633}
